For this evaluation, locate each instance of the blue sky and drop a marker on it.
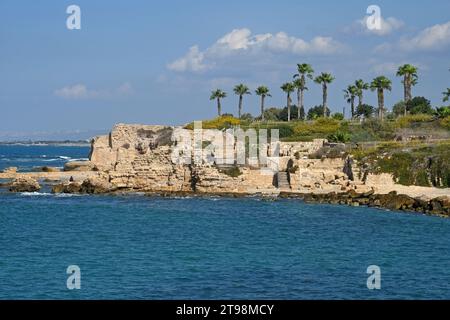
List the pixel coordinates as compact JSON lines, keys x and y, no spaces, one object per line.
{"x":157,"y":61}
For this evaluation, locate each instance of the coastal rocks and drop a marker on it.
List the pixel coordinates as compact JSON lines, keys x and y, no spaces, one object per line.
{"x":50,"y":169}
{"x":71,"y":187}
{"x":88,"y":186}
{"x":10,"y":170}
{"x":96,"y":186}
{"x":24,"y":184}
{"x":391,"y":201}
{"x":79,"y":166}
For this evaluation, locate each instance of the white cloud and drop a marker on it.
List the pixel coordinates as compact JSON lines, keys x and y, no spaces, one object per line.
{"x":81,"y":91}
{"x":77,"y":91}
{"x":387,"y":26}
{"x":432,"y":38}
{"x":390,"y":68}
{"x":241,"y":43}
{"x":193,"y":60}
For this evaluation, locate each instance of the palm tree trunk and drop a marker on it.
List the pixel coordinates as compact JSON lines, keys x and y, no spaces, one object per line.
{"x":380,"y":104}
{"x":262,"y":107}
{"x":299,"y":114}
{"x":289,"y":106}
{"x":219,"y":107}
{"x":301,"y":104}
{"x":324,"y":99}
{"x":240,"y":106}
{"x":408,"y":88}
{"x":352,"y":102}
{"x":405,"y":88}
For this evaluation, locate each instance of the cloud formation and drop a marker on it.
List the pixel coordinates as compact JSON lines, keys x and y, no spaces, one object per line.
{"x":432,"y":38}
{"x":241,"y":43}
{"x":81,"y":91}
{"x":387,"y":26}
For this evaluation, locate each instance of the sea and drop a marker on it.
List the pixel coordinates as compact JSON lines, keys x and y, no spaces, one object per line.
{"x":148,"y":247}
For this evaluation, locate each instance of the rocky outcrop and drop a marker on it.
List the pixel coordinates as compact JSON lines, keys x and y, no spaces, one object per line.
{"x":88,"y":186}
{"x":50,"y":169}
{"x":391,"y":201}
{"x":79,"y":166}
{"x":24,"y":185}
{"x":10,"y":170}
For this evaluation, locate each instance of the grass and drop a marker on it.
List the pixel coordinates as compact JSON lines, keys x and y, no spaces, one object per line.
{"x":341,"y":130}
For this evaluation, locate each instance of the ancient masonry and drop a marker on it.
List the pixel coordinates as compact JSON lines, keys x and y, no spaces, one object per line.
{"x":138,"y":157}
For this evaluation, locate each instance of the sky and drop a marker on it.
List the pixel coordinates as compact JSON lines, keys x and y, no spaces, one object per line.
{"x":156,"y":62}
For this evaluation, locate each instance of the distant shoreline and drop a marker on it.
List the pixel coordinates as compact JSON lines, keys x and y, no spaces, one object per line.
{"x":47,"y":143}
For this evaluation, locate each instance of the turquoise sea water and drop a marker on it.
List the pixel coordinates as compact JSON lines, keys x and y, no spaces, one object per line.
{"x":216,"y":248}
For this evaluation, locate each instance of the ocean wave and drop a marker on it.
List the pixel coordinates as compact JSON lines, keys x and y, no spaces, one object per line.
{"x":46,"y":194}
{"x":33,"y":194}
{"x":79,"y":159}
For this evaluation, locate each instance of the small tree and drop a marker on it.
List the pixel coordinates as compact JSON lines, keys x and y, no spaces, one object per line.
{"x":365,"y":111}
{"x":218,"y":95}
{"x":317,"y":112}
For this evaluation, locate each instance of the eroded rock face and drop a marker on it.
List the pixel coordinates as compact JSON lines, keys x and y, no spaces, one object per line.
{"x":24,"y":184}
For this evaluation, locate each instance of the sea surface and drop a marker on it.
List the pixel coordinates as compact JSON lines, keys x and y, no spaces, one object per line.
{"x":31,"y":157}
{"x":142,"y":247}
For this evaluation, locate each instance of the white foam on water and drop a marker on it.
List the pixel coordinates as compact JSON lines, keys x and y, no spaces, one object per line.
{"x":32,"y":194}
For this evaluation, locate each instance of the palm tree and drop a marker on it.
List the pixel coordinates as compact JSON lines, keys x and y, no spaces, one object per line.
{"x":350,"y":94}
{"x":409,"y":74}
{"x":446,"y":95}
{"x":380,"y":84}
{"x":263,"y":92}
{"x":304,"y":71}
{"x":241,"y":90}
{"x":288,"y":87}
{"x":217,"y":95}
{"x":324,"y":79}
{"x":360,"y":87}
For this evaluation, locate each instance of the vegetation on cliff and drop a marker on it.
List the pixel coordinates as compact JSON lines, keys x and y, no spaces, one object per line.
{"x":415,"y":163}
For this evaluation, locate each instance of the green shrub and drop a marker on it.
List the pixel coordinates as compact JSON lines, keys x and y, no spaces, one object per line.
{"x":338,"y":116}
{"x":445,"y":122}
{"x":339,"y":137}
{"x":406,"y":121}
{"x":285,"y":131}
{"x":317,"y":112}
{"x":223,"y":122}
{"x":442,"y":112}
{"x":233,"y":172}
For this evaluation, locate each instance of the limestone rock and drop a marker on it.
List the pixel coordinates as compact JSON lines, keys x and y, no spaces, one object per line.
{"x":96,"y":186}
{"x":79,"y":166}
{"x":71,"y":187}
{"x":10,"y":170}
{"x":24,"y":184}
{"x":50,"y":169}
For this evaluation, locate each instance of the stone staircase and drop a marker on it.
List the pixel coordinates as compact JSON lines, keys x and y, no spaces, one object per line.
{"x":283,"y":181}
